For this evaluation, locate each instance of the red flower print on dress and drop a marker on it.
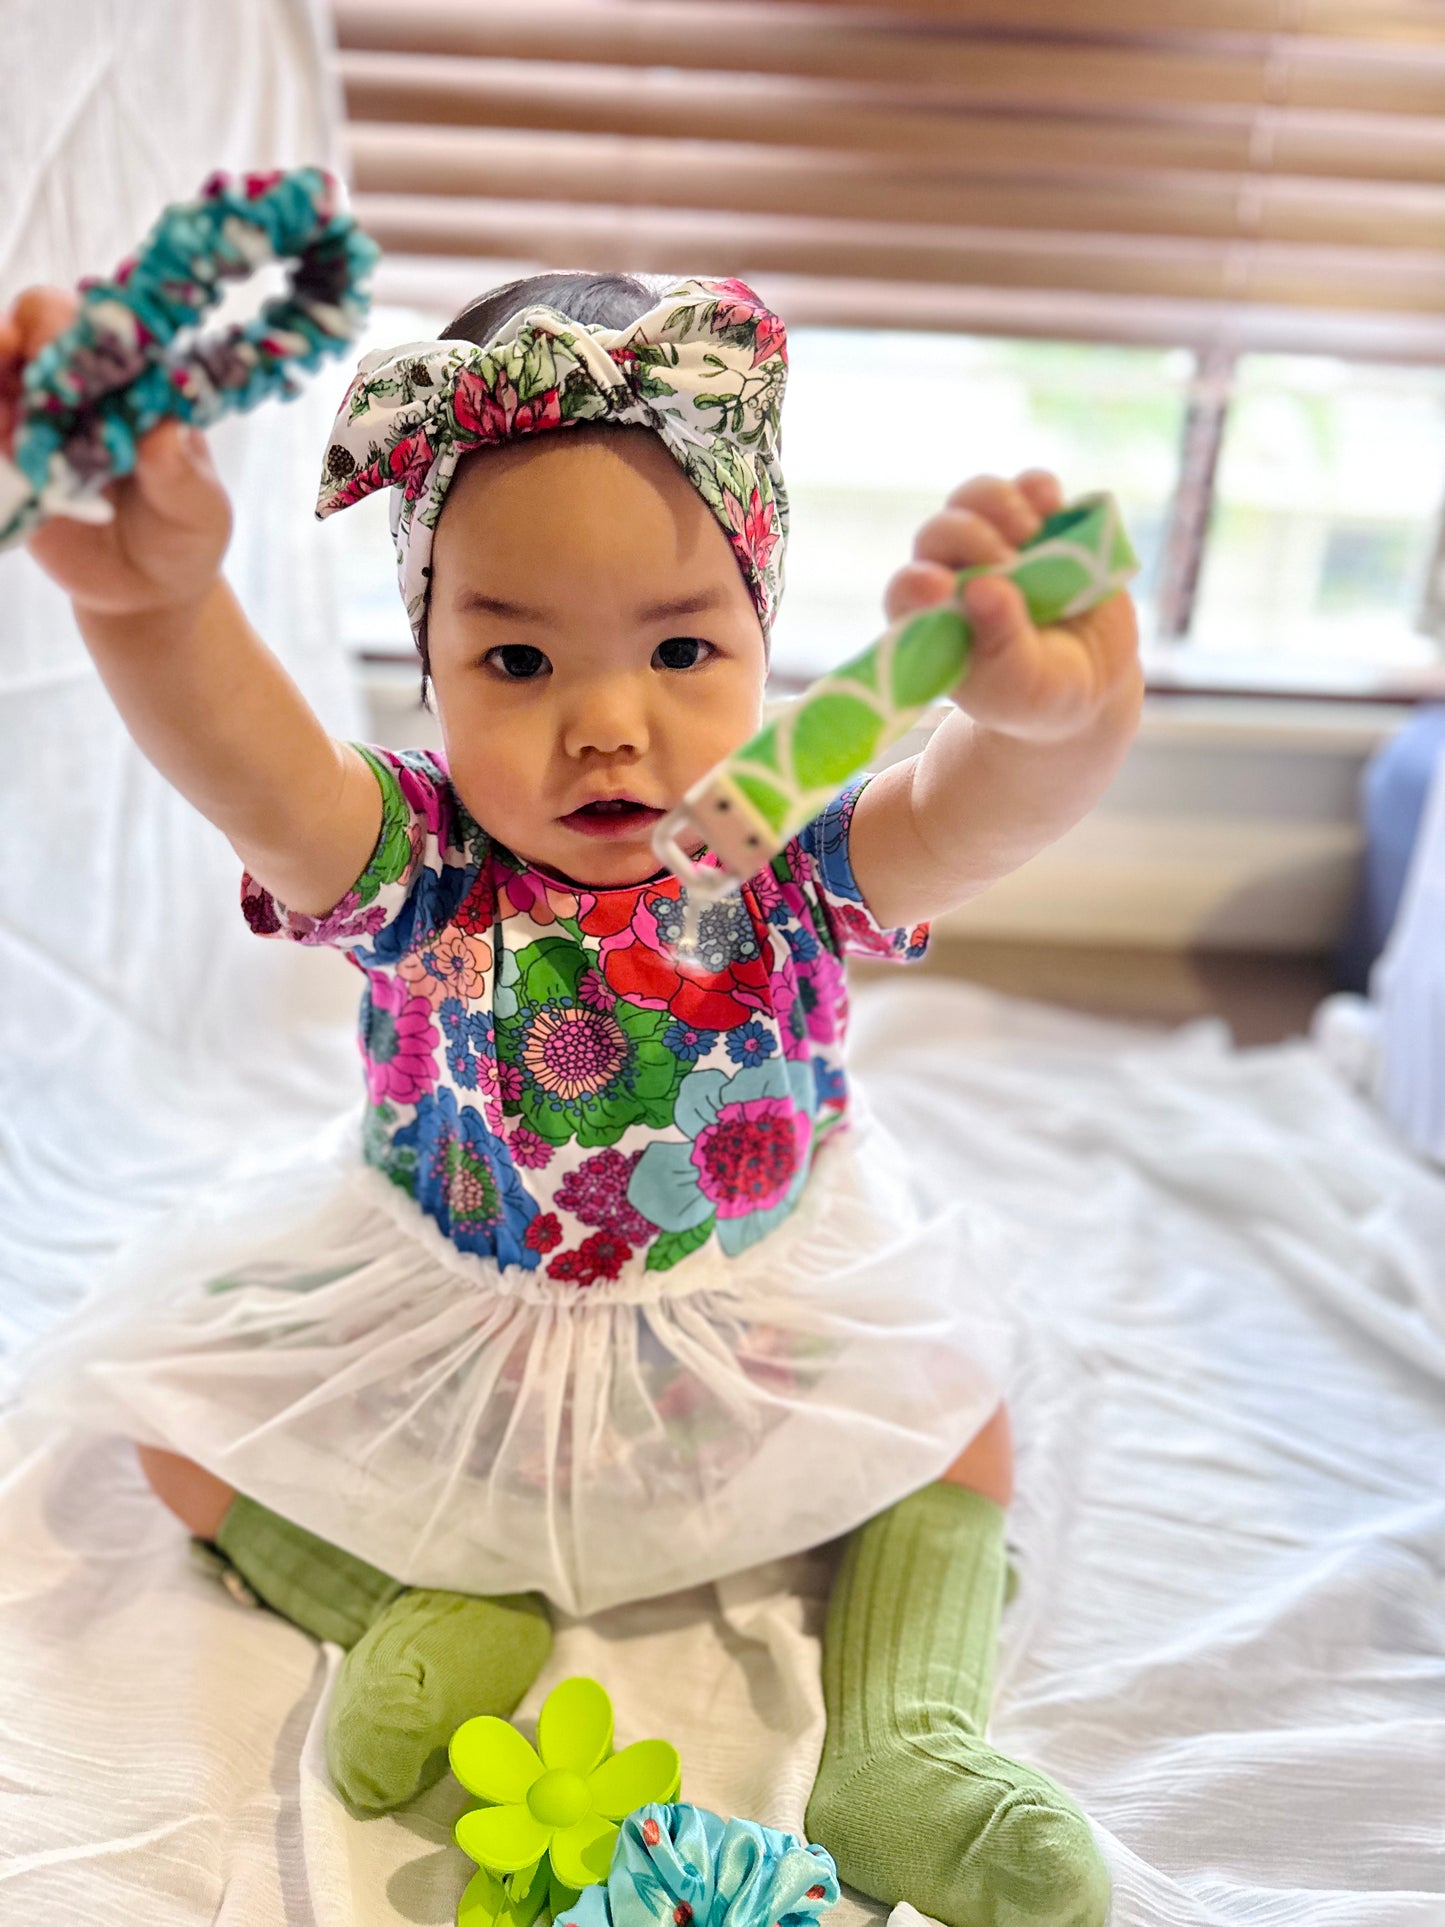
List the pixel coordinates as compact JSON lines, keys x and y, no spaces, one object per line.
{"x":399,"y":1042}
{"x":859,"y":936}
{"x":486,"y":414}
{"x":477,"y":911}
{"x":729,"y":987}
{"x":544,"y":1233}
{"x":651,"y":1832}
{"x":601,"y":1256}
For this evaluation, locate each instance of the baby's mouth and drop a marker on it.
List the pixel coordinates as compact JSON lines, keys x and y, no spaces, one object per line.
{"x":616,"y":817}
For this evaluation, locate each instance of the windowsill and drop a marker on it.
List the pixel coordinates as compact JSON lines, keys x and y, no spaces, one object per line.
{"x":1196,"y":672}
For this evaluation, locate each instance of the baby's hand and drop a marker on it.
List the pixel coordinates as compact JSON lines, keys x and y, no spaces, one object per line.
{"x":1041,"y":685}
{"x":172,"y":515}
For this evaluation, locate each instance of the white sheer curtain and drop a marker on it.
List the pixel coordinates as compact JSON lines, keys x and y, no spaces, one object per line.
{"x":143,"y":1031}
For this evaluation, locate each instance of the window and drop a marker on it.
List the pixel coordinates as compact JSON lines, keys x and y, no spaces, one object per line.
{"x":1327,"y":494}
{"x":875,"y":438}
{"x":1330,"y":485}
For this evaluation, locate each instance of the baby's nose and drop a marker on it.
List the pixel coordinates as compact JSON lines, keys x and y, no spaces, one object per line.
{"x":608,"y":719}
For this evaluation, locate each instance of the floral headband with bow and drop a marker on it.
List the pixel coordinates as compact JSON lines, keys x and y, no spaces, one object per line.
{"x":704,"y":369}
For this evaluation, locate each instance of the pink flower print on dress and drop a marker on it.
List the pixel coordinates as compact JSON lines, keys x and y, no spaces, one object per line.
{"x":452,"y":965}
{"x":572,"y":1052}
{"x":399,"y":1042}
{"x":747,"y":1158}
{"x":347,"y":923}
{"x":528,"y":895}
{"x":822,"y":985}
{"x":595,"y":991}
{"x":510,"y":1082}
{"x":530,"y":1152}
{"x":424,"y":797}
{"x":596,"y":1194}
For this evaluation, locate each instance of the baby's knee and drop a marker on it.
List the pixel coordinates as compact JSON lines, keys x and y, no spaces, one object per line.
{"x":986,"y":1463}
{"x":197,"y":1497}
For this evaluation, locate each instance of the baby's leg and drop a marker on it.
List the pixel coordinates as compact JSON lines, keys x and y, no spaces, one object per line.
{"x":197,"y":1497}
{"x":910,"y":1800}
{"x":418,"y":1662}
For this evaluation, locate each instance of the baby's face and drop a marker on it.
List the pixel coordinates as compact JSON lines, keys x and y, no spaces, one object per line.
{"x":575,"y":707}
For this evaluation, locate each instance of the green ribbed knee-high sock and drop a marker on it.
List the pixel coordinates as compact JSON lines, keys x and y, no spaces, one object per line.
{"x":910,"y":1800}
{"x":317,"y":1586}
{"x":418,"y":1663}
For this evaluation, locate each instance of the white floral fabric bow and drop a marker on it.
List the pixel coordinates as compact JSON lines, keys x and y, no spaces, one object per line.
{"x":705,"y":369}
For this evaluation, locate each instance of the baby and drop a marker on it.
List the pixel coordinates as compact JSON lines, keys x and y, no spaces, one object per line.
{"x":611,"y":1287}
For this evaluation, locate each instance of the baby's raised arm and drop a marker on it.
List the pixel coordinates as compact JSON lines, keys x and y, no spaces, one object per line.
{"x":200,"y":692}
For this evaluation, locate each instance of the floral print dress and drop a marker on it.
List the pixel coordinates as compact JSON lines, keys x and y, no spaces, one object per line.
{"x":546,"y":1079}
{"x":609,"y":1284}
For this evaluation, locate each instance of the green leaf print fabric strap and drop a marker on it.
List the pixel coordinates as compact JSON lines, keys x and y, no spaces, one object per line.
{"x":747,"y":808}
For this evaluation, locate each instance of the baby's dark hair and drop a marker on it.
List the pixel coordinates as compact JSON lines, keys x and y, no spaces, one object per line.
{"x":595,"y":300}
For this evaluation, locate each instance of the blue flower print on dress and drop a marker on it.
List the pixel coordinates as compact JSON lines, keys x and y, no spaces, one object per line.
{"x":435,"y":899}
{"x":687,"y":1042}
{"x":464,"y":1177}
{"x":750,"y":1043}
{"x":748,"y":1145}
{"x":831,"y":1083}
{"x":471,"y":1043}
{"x":825,"y":840}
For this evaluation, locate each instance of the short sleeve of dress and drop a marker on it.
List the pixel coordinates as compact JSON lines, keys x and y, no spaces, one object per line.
{"x":415,"y":875}
{"x":823,"y":847}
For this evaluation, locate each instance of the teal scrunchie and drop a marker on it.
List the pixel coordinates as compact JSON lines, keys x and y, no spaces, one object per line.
{"x":681,"y":1866}
{"x":90,"y":394}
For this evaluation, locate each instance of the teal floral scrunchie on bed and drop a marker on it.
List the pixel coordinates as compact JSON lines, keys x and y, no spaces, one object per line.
{"x":704,"y":368}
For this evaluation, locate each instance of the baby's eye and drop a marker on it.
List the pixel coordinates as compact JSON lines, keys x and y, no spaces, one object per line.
{"x":518,"y":660}
{"x":681,"y":652}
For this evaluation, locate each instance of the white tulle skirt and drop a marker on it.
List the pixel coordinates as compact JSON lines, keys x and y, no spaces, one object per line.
{"x":310,"y":1336}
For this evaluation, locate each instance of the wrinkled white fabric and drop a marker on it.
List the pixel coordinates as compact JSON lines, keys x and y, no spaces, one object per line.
{"x":125,"y":973}
{"x":1229,"y":1635}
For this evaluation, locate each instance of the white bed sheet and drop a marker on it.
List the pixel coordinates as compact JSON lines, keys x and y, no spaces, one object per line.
{"x":1229,"y":1638}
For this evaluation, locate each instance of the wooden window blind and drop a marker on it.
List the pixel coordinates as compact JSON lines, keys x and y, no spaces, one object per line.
{"x":1255,"y":172}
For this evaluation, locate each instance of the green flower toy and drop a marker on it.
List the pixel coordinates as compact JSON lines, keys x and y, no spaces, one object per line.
{"x":553,"y":1811}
